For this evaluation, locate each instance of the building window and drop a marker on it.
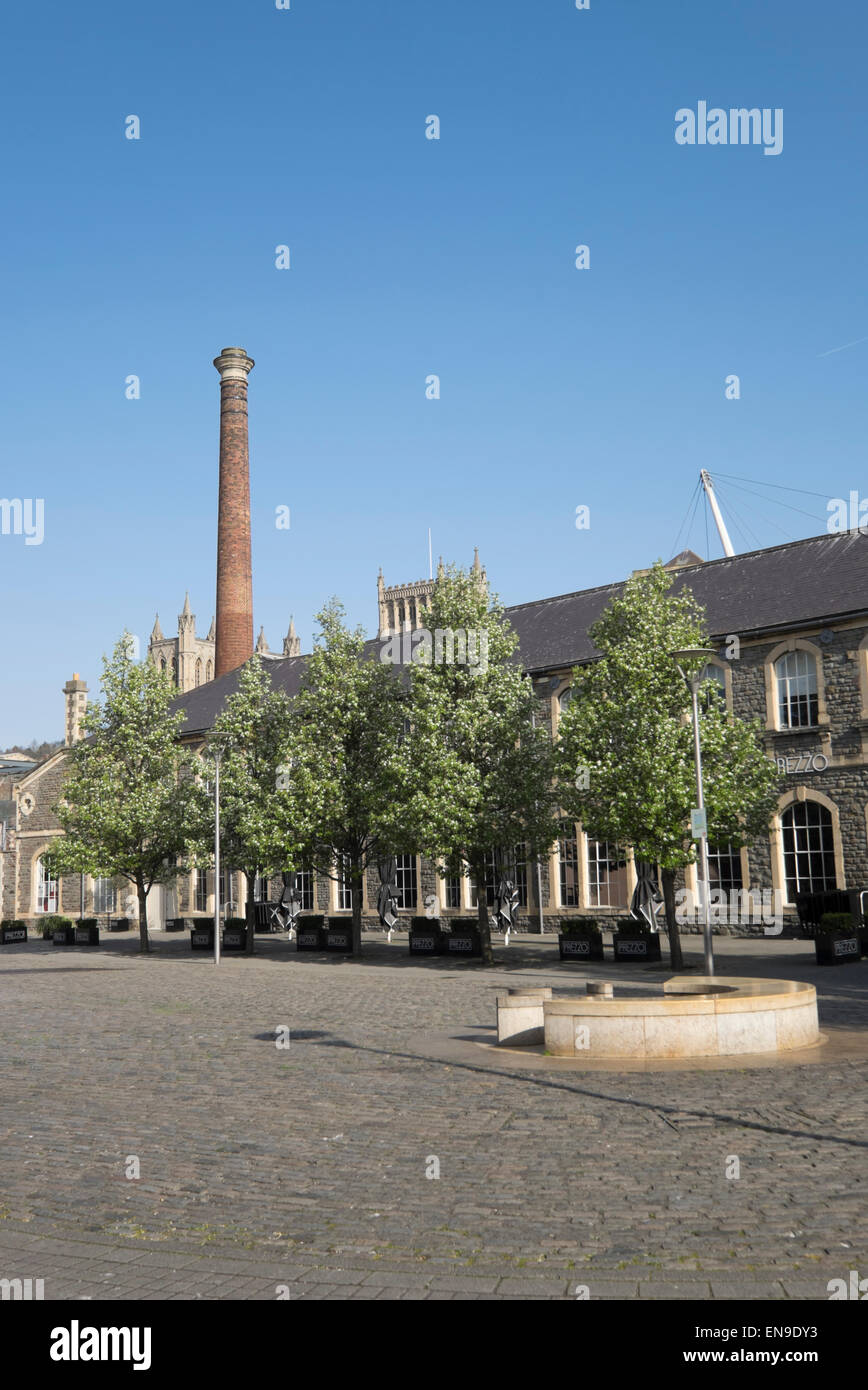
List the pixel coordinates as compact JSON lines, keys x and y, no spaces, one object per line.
{"x":227,"y":892}
{"x":796,"y":675}
{"x":304,"y":889}
{"x":564,"y":698}
{"x":46,"y":886}
{"x":345,"y":885}
{"x":198,"y":672}
{"x":511,"y":865}
{"x":201,"y":890}
{"x":724,"y":868}
{"x":260,"y":888}
{"x":809,"y":849}
{"x":607,"y":874}
{"x":104,"y":896}
{"x":406,"y":881}
{"x":208,"y":669}
{"x":568,"y":864}
{"x":452,"y":890}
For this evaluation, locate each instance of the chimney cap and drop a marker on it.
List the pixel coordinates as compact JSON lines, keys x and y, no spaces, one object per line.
{"x":234,"y":363}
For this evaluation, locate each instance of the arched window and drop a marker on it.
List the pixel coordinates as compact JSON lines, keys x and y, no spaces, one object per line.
{"x":198,"y":671}
{"x":796,"y":677}
{"x":564,"y":698}
{"x":208,"y":669}
{"x":46,"y":885}
{"x":809,"y":848}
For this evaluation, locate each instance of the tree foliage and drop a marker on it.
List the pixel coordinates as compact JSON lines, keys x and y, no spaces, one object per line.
{"x":479,"y":776}
{"x":127,"y":803}
{"x":625,"y":747}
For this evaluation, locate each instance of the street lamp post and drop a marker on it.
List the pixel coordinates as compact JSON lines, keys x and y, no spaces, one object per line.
{"x":691,"y":654}
{"x":217,"y":750}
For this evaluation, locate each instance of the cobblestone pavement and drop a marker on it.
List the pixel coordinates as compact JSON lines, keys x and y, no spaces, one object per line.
{"x":301,"y":1172}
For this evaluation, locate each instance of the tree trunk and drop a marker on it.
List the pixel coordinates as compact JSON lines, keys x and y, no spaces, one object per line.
{"x":482,"y":917}
{"x":357,"y":884}
{"x":249,"y":912}
{"x":676,"y":960}
{"x":142,"y":893}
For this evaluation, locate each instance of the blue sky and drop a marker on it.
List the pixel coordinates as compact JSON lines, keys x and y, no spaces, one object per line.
{"x":412,"y":257}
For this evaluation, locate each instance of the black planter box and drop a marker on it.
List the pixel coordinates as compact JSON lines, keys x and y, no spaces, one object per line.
{"x":202,"y":938}
{"x":119,"y":924}
{"x":86,"y":936}
{"x":310,"y":939}
{"x":462,"y":943}
{"x":837,"y":950}
{"x":580,"y":948}
{"x":234,"y":938}
{"x":426,"y":941}
{"x":63,"y":936}
{"x":174,"y":924}
{"x":9,"y":934}
{"x":636,"y":947}
{"x":340,"y":939}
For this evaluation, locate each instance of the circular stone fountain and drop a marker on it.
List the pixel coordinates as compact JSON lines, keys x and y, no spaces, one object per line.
{"x":700,"y":1017}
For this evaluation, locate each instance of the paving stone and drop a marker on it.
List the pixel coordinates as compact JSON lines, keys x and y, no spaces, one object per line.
{"x":309,"y":1169}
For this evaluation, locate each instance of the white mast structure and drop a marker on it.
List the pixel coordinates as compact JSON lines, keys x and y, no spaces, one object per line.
{"x":705,"y":479}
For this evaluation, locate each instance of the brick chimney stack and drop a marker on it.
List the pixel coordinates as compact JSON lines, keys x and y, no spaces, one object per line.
{"x":234,"y":639}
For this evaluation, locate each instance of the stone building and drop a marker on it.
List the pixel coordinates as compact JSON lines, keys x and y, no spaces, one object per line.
{"x":187,"y":658}
{"x":800,"y":614}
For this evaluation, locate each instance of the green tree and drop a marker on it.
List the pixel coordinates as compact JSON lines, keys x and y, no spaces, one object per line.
{"x":252,"y":733}
{"x":127,"y":805}
{"x":343,"y":756}
{"x":625,"y":747}
{"x":479,"y":771}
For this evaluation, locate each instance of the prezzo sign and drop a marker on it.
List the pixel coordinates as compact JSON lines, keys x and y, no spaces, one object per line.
{"x":632,"y":948}
{"x":803,"y":762}
{"x":577,"y":948}
{"x":846,"y":947}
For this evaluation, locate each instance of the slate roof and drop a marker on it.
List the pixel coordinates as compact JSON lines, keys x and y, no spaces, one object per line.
{"x":823,"y":579}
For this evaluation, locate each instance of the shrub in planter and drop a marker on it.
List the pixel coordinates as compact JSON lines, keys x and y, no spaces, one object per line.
{"x":202,"y":934}
{"x":425,"y":936}
{"x":234,"y":934}
{"x":837,"y":940}
{"x":339,"y":936}
{"x":310,"y":932}
{"x":46,"y":924}
{"x":463,"y":939}
{"x":635,"y":941}
{"x":579,"y":939}
{"x":86,"y":932}
{"x":12,"y":929}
